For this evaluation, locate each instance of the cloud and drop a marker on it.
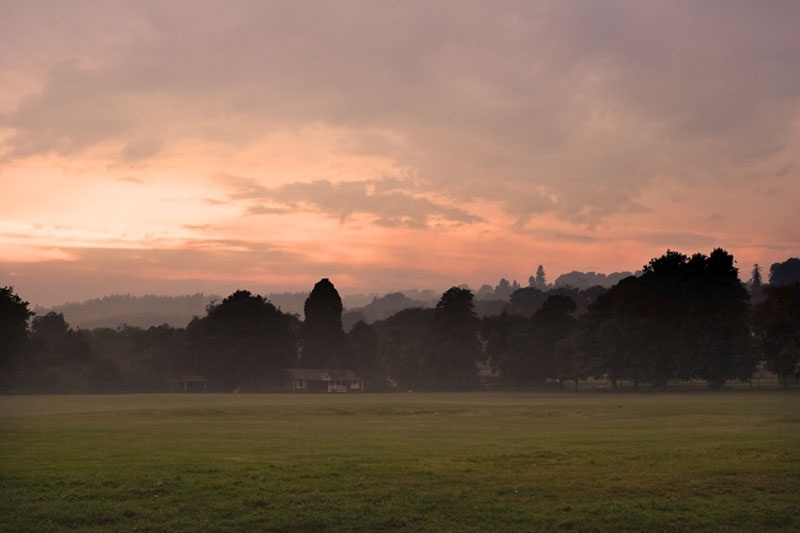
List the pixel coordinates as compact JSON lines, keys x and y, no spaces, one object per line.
{"x":391,"y":207}
{"x":385,"y":200}
{"x":240,"y":188}
{"x":131,"y":179}
{"x":578,"y":97}
{"x":561,"y":120}
{"x":71,"y":113}
{"x":141,"y":150}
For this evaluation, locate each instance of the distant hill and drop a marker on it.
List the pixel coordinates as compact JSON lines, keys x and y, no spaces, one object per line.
{"x":289,"y":302}
{"x":381,"y":308}
{"x":139,"y":311}
{"x":177,"y":311}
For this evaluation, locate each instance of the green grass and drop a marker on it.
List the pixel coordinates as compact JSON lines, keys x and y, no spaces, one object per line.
{"x":727,"y":461}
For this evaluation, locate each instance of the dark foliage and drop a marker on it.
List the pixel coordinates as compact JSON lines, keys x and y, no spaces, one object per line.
{"x":402,"y":339}
{"x":14,"y":336}
{"x":243,"y":343}
{"x":366,"y":361}
{"x":453,"y":348}
{"x":525,"y":351}
{"x":684,"y":318}
{"x":777,"y":328}
{"x":785,"y":273}
{"x":323,"y":341}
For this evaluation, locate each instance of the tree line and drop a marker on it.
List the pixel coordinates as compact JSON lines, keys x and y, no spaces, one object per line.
{"x":683,"y":318}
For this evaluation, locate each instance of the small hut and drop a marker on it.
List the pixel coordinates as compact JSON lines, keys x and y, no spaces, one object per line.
{"x":191,"y":383}
{"x":321,"y":380}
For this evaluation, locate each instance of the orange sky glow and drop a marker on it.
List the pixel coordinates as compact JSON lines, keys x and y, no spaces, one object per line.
{"x":180,"y":147}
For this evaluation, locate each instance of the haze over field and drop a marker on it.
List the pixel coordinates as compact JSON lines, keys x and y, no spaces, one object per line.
{"x":180,"y":147}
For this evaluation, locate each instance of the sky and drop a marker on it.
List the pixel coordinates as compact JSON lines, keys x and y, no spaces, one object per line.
{"x":174,"y":147}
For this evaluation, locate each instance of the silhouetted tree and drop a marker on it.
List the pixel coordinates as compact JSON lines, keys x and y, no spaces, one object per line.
{"x":541,"y":281}
{"x":243,"y":342}
{"x":716,"y":326}
{"x":777,"y":329}
{"x":365,"y":347}
{"x":552,"y":324}
{"x":453,"y":349}
{"x":785,"y":273}
{"x":161,"y":355}
{"x":683,"y":318}
{"x":485,"y":292}
{"x":132,"y":359}
{"x":324,"y":344}
{"x":508,"y":342}
{"x":526,"y":301}
{"x":756,"y":285}
{"x":403,"y":337}
{"x":60,"y":356}
{"x":117,"y":359}
{"x":504,"y":289}
{"x":14,"y":335}
{"x":523,"y":350}
{"x":613,"y":338}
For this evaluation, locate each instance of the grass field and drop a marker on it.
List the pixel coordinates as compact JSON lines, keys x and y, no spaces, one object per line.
{"x":725,"y":461}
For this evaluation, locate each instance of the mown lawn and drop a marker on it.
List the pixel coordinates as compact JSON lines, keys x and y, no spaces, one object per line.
{"x":725,"y":461}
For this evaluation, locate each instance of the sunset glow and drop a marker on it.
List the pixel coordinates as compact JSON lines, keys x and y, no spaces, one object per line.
{"x":179,"y":147}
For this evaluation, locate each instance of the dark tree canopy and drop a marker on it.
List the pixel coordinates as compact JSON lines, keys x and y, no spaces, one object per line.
{"x":508,"y":340}
{"x":541,"y":279}
{"x":324,"y":344}
{"x":528,"y":300}
{"x":60,"y":356}
{"x":785,"y":273}
{"x":366,"y":360}
{"x":403,"y":338}
{"x":522,"y":350}
{"x":756,"y":286}
{"x":244,"y":342}
{"x":323,"y":307}
{"x":777,"y":328}
{"x":685,"y":317}
{"x":453,"y":348}
{"x":14,"y":317}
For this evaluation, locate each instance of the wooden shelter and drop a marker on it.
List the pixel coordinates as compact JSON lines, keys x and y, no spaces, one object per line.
{"x":191,"y":383}
{"x":321,"y":380}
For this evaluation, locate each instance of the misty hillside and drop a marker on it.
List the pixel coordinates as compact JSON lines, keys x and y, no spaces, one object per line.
{"x":381,"y":309}
{"x":177,"y":311}
{"x":140,"y":311}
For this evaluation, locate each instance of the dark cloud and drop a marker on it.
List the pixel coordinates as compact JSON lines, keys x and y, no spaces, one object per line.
{"x":71,"y":113}
{"x":344,"y":199}
{"x":243,"y":188}
{"x":386,"y":200}
{"x":484,"y":100}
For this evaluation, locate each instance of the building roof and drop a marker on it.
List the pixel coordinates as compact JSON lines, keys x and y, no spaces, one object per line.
{"x":322,"y":374}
